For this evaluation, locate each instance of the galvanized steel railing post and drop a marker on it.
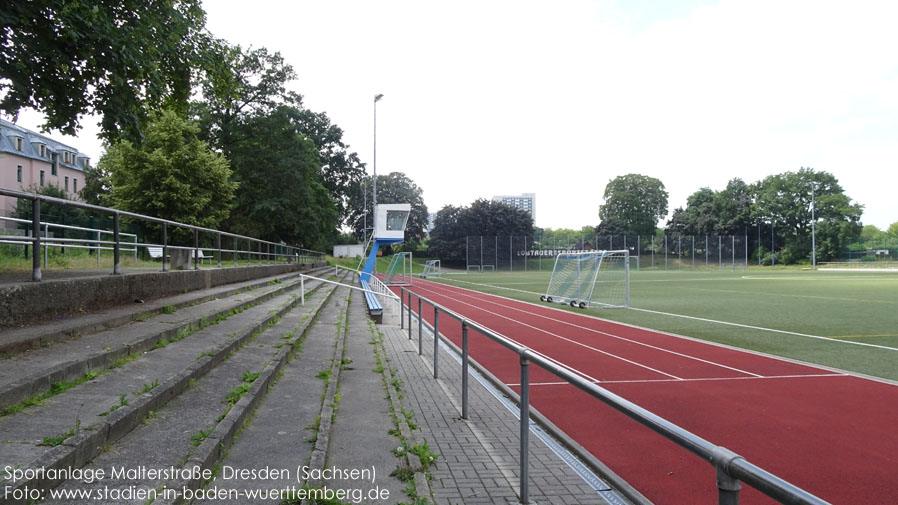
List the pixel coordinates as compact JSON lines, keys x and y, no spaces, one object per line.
{"x":409,"y":314}
{"x":402,"y":311}
{"x":436,"y":342}
{"x":728,"y":488}
{"x":46,"y":249}
{"x":116,"y":249}
{"x":464,"y":370}
{"x":302,"y":289}
{"x":36,"y":244}
{"x":164,"y":246}
{"x":98,"y":249}
{"x":525,"y":426}
{"x":196,"y":249}
{"x":218,"y":243}
{"x":420,"y":326}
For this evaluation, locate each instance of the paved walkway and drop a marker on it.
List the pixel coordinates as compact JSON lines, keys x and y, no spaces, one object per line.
{"x":478,"y":459}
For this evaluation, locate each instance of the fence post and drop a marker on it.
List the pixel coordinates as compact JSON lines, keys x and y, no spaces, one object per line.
{"x":727,"y":488}
{"x":525,"y":425}
{"x":164,"y":246}
{"x":36,"y":244}
{"x":436,"y":342}
{"x":302,"y":288}
{"x":409,"y":314}
{"x":196,"y":249}
{"x":420,"y":326}
{"x":464,"y":370}
{"x":116,"y":250}
{"x":402,"y":311}
{"x":218,"y":243}
{"x":46,"y":249}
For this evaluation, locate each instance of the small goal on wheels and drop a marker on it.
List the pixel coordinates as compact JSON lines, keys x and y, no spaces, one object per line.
{"x":590,"y":279}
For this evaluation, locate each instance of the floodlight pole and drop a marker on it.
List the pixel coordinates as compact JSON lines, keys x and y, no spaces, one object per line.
{"x":374,"y":183}
{"x":365,"y":211}
{"x":813,"y":229}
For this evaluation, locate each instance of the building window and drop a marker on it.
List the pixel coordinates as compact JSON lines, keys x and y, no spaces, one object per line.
{"x":67,"y":184}
{"x":42,"y":177}
{"x":19,"y":173}
{"x":75,"y":185}
{"x":42,"y":150}
{"x":53,"y":163}
{"x":20,"y":144}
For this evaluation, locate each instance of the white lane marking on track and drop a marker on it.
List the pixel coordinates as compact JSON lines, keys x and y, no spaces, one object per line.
{"x":727,"y":323}
{"x":585,"y":328}
{"x":563,"y":338}
{"x":705,"y":379}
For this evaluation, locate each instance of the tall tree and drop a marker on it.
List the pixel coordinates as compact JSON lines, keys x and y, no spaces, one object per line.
{"x":785,"y":199}
{"x":172,"y":175}
{"x":245,"y":84}
{"x":395,"y":187}
{"x":117,"y":58}
{"x":483,"y":217}
{"x":732,"y":208}
{"x":279,"y":195}
{"x":634,"y":203}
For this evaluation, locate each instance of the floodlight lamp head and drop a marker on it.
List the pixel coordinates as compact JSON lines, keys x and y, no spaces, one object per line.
{"x":378,"y":96}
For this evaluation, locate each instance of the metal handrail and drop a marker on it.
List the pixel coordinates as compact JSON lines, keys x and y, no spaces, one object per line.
{"x":731,"y":468}
{"x":377,"y":287}
{"x":289,"y":253}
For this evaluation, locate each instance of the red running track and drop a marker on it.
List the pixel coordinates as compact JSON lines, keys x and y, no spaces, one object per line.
{"x":833,"y":434}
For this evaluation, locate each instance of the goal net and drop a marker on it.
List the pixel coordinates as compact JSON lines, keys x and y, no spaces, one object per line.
{"x":431,"y":269}
{"x":399,"y":272}
{"x":590,"y":279}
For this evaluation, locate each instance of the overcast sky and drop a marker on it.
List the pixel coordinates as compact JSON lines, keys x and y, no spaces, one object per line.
{"x":556,"y":98}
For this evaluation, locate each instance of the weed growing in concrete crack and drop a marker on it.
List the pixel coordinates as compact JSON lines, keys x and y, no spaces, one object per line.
{"x":54,"y":441}
{"x":122,"y":402}
{"x":55,"y":389}
{"x":197,"y":438}
{"x":169,"y":309}
{"x":325,"y":375}
{"x":149,"y":387}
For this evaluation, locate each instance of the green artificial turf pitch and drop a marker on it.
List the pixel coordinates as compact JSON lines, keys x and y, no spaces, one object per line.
{"x":785,"y":308}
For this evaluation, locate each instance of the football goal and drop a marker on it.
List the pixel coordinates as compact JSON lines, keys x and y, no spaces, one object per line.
{"x":431,"y":269}
{"x":590,"y":279}
{"x":399,"y":272}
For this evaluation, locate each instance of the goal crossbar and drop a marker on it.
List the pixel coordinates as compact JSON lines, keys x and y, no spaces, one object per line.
{"x":590,"y":278}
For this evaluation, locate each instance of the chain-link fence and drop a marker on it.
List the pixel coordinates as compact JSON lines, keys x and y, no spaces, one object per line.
{"x":657,"y":252}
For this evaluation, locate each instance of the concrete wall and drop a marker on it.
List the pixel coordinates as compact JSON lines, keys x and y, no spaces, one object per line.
{"x":31,"y":302}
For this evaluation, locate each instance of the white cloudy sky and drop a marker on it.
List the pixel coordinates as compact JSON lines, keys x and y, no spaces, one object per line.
{"x":556,"y":98}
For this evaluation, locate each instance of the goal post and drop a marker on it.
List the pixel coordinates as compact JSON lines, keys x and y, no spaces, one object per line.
{"x":399,"y":272}
{"x":590,"y":279}
{"x":431,"y":269}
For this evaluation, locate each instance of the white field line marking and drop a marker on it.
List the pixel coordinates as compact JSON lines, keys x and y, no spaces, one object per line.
{"x":593,"y":330}
{"x":560,"y":338}
{"x":701,"y":379}
{"x":727,"y":323}
{"x":768,"y":329}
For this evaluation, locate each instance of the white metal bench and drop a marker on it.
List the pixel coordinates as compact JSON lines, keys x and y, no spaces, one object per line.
{"x":156,"y":253}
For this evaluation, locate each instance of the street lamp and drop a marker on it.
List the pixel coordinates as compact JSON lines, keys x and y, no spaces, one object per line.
{"x":374,"y":185}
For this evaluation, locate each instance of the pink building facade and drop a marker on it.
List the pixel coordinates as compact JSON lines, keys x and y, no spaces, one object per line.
{"x":29,"y":160}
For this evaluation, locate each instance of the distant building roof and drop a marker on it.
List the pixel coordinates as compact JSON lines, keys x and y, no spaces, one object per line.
{"x":31,"y":141}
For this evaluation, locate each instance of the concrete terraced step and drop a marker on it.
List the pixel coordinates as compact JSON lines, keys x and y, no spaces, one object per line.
{"x":17,"y":340}
{"x":34,"y":372}
{"x":72,"y":428}
{"x":198,"y":426}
